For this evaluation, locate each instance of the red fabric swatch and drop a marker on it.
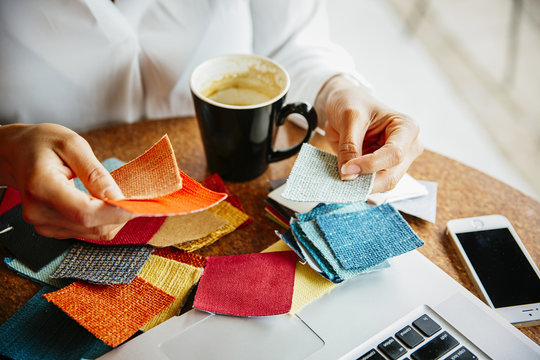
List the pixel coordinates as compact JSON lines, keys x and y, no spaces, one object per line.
{"x":190,"y":198}
{"x":138,"y":231}
{"x":11,"y":199}
{"x":247,"y":285}
{"x":215,"y":182}
{"x":182,"y":256}
{"x":112,"y":313}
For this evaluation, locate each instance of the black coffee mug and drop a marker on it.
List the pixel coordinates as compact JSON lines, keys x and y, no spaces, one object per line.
{"x":238,"y":100}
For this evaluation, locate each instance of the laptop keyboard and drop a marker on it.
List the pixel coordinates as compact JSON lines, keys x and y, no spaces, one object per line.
{"x":423,"y":339}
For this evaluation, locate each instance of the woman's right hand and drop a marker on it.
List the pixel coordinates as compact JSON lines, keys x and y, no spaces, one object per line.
{"x":41,"y":162}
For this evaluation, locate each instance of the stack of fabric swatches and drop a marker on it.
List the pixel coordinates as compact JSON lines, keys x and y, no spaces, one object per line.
{"x":343,"y":236}
{"x":98,"y":294}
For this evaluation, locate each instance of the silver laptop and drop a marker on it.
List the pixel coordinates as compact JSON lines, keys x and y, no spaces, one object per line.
{"x":411,"y":310}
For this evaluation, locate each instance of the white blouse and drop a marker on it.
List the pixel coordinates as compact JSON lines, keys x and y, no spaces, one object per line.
{"x":89,"y":63}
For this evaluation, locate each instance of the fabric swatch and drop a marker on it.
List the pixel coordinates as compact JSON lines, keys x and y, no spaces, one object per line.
{"x":112,"y":313}
{"x":31,"y":248}
{"x":288,"y":238}
{"x":407,"y":188}
{"x":247,"y":285}
{"x":181,"y":228}
{"x":138,"y":231}
{"x":174,"y":278}
{"x":308,"y":284}
{"x":43,"y":276}
{"x":234,"y":218}
{"x":39,"y":330}
{"x":182,"y":256}
{"x":190,"y":198}
{"x":362,"y":239}
{"x":215,"y":183}
{"x":295,"y":206}
{"x":103,"y":264}
{"x":153,"y":174}
{"x":11,"y":199}
{"x":315,"y":178}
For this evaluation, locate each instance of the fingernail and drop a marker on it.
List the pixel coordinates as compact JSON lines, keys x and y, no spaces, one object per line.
{"x":348,"y":169}
{"x":113,"y":193}
{"x":349,"y":177}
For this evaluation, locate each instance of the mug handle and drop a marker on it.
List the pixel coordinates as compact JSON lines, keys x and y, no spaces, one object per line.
{"x":308,"y":112}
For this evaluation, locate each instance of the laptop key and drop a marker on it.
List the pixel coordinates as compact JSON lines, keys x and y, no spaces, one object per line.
{"x":436,"y":348}
{"x":392,"y":348}
{"x":462,"y":354}
{"x":410,"y":337}
{"x":371,"y":355}
{"x":426,"y":325}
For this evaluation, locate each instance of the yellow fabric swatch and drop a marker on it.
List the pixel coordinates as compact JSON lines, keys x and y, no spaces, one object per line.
{"x":181,"y":228}
{"x":174,"y":278}
{"x":308,"y":284}
{"x":224,"y":210}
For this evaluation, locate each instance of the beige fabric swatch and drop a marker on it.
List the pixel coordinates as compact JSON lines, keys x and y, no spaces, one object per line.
{"x":181,"y":228}
{"x":174,"y":278}
{"x":153,"y":174}
{"x":224,"y":210}
{"x":308,"y":284}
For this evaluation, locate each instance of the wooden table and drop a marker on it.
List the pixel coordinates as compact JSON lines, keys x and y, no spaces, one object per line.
{"x":462,"y":192}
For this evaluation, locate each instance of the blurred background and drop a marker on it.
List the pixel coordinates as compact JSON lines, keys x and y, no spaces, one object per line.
{"x":467,"y":70}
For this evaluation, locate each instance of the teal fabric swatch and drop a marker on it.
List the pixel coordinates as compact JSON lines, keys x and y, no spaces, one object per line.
{"x":40,"y":330}
{"x":315,"y":177}
{"x":43,"y":276}
{"x":362,"y":239}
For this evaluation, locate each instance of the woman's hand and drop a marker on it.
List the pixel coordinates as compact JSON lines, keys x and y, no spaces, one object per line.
{"x":41,"y":161}
{"x":367,"y":135}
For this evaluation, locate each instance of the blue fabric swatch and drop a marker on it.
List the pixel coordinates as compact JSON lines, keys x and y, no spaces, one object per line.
{"x":288,"y":238}
{"x":40,"y":330}
{"x":361,"y":239}
{"x":42,"y":276}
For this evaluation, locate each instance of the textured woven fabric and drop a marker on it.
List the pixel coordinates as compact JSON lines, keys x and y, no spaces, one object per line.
{"x":182,"y":256}
{"x":190,"y":198}
{"x":365,"y":238}
{"x":315,"y":177}
{"x":34,"y":250}
{"x":308,"y":284}
{"x":151,"y":175}
{"x":288,"y":238}
{"x":173,"y":277}
{"x":112,"y":313}
{"x":247,"y":285}
{"x":332,"y":209}
{"x":182,"y":228}
{"x":43,"y":276}
{"x":39,"y":330}
{"x":138,"y":231}
{"x":234,"y":218}
{"x":11,"y":199}
{"x":103,"y":264}
{"x":215,"y":183}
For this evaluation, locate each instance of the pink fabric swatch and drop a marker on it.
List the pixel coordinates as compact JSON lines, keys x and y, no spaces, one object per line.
{"x":247,"y":285}
{"x":11,"y":199}
{"x":138,"y":231}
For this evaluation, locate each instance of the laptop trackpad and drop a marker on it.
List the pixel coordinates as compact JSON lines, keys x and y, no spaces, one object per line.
{"x":223,"y":337}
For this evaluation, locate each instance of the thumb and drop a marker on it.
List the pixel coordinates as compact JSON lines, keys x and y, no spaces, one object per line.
{"x":95,"y":178}
{"x":350,"y":147}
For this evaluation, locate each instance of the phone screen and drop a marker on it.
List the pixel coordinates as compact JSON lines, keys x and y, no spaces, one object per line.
{"x":503,"y":269}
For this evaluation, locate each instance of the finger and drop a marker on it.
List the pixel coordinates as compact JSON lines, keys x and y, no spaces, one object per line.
{"x":401,"y":136}
{"x":386,"y":180}
{"x":78,"y":155}
{"x":351,"y":137}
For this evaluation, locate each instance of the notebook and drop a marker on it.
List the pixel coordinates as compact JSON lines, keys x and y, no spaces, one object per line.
{"x":368,"y":317}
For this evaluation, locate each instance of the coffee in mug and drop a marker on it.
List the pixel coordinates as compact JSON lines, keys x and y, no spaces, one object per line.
{"x":238,"y":101}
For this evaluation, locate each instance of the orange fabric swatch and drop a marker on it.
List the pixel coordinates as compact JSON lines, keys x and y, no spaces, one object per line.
{"x":190,"y":198}
{"x":112,"y":313}
{"x":152,"y":174}
{"x":182,"y":256}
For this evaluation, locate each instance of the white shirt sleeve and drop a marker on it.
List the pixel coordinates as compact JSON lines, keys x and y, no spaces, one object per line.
{"x":296,"y":35}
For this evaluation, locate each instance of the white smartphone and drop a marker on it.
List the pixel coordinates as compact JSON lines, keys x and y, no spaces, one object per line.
{"x":499,"y":266}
